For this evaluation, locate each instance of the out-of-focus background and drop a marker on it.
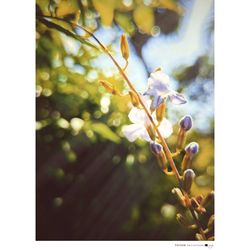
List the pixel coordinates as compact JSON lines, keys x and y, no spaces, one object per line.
{"x":91,"y":183}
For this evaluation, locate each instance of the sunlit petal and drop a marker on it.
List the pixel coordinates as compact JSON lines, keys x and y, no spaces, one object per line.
{"x":157,"y":82}
{"x":165,"y":128}
{"x":132,"y":131}
{"x":150,"y":92}
{"x":135,"y":131}
{"x":158,"y":86}
{"x":144,"y":135}
{"x":136,"y":115}
{"x":159,"y":76}
{"x":177,"y":98}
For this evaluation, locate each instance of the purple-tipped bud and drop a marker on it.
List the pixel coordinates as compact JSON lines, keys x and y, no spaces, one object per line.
{"x":186,"y":122}
{"x":188,"y":177}
{"x":192,"y":148}
{"x":156,"y":148}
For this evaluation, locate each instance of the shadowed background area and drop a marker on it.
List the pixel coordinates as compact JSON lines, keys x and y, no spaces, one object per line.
{"x":91,"y":183}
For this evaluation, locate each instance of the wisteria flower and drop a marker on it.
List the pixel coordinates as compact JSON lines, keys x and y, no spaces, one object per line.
{"x":140,"y":121}
{"x":159,"y":89}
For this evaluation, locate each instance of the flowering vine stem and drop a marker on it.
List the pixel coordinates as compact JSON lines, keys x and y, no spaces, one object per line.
{"x":167,"y":151}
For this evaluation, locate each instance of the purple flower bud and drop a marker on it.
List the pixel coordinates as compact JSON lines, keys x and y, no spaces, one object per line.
{"x":192,"y":148}
{"x":186,"y":122}
{"x":155,"y":147}
{"x":188,"y":177}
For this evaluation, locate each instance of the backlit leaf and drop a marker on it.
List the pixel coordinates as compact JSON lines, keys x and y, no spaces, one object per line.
{"x":125,"y":22}
{"x":106,"y":10}
{"x":144,"y":18}
{"x":65,"y":8}
{"x":105,"y":132}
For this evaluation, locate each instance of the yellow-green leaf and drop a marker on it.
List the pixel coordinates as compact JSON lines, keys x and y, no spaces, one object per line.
{"x":106,"y":10}
{"x":144,"y":18}
{"x":65,"y":8}
{"x":105,"y":132}
{"x":125,"y":22}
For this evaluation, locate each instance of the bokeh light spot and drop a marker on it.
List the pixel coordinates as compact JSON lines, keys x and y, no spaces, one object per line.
{"x":89,"y":133}
{"x":105,"y":102}
{"x":142,"y":158}
{"x":58,"y":201}
{"x":155,"y":31}
{"x":76,"y":124}
{"x":168,"y":211}
{"x":38,"y":90}
{"x":97,"y":114}
{"x":45,"y":76}
{"x":202,"y":180}
{"x":59,"y":173}
{"x":127,"y":3}
{"x":130,"y":160}
{"x":63,"y":123}
{"x":47,"y":92}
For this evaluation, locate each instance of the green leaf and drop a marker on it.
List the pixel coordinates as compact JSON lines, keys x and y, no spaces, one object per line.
{"x":105,"y":132}
{"x":125,"y":22}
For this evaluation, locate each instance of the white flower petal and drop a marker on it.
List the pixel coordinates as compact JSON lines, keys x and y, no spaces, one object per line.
{"x":177,"y":98}
{"x":146,"y":100}
{"x":132,"y":131}
{"x":165,"y":128}
{"x":151,"y":82}
{"x":160,"y":76}
{"x":144,"y":135}
{"x":135,"y":131}
{"x":136,"y":115}
{"x":158,"y":84}
{"x":150,"y":92}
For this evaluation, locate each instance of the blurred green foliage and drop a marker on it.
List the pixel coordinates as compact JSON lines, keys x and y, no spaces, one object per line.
{"x":91,"y":182}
